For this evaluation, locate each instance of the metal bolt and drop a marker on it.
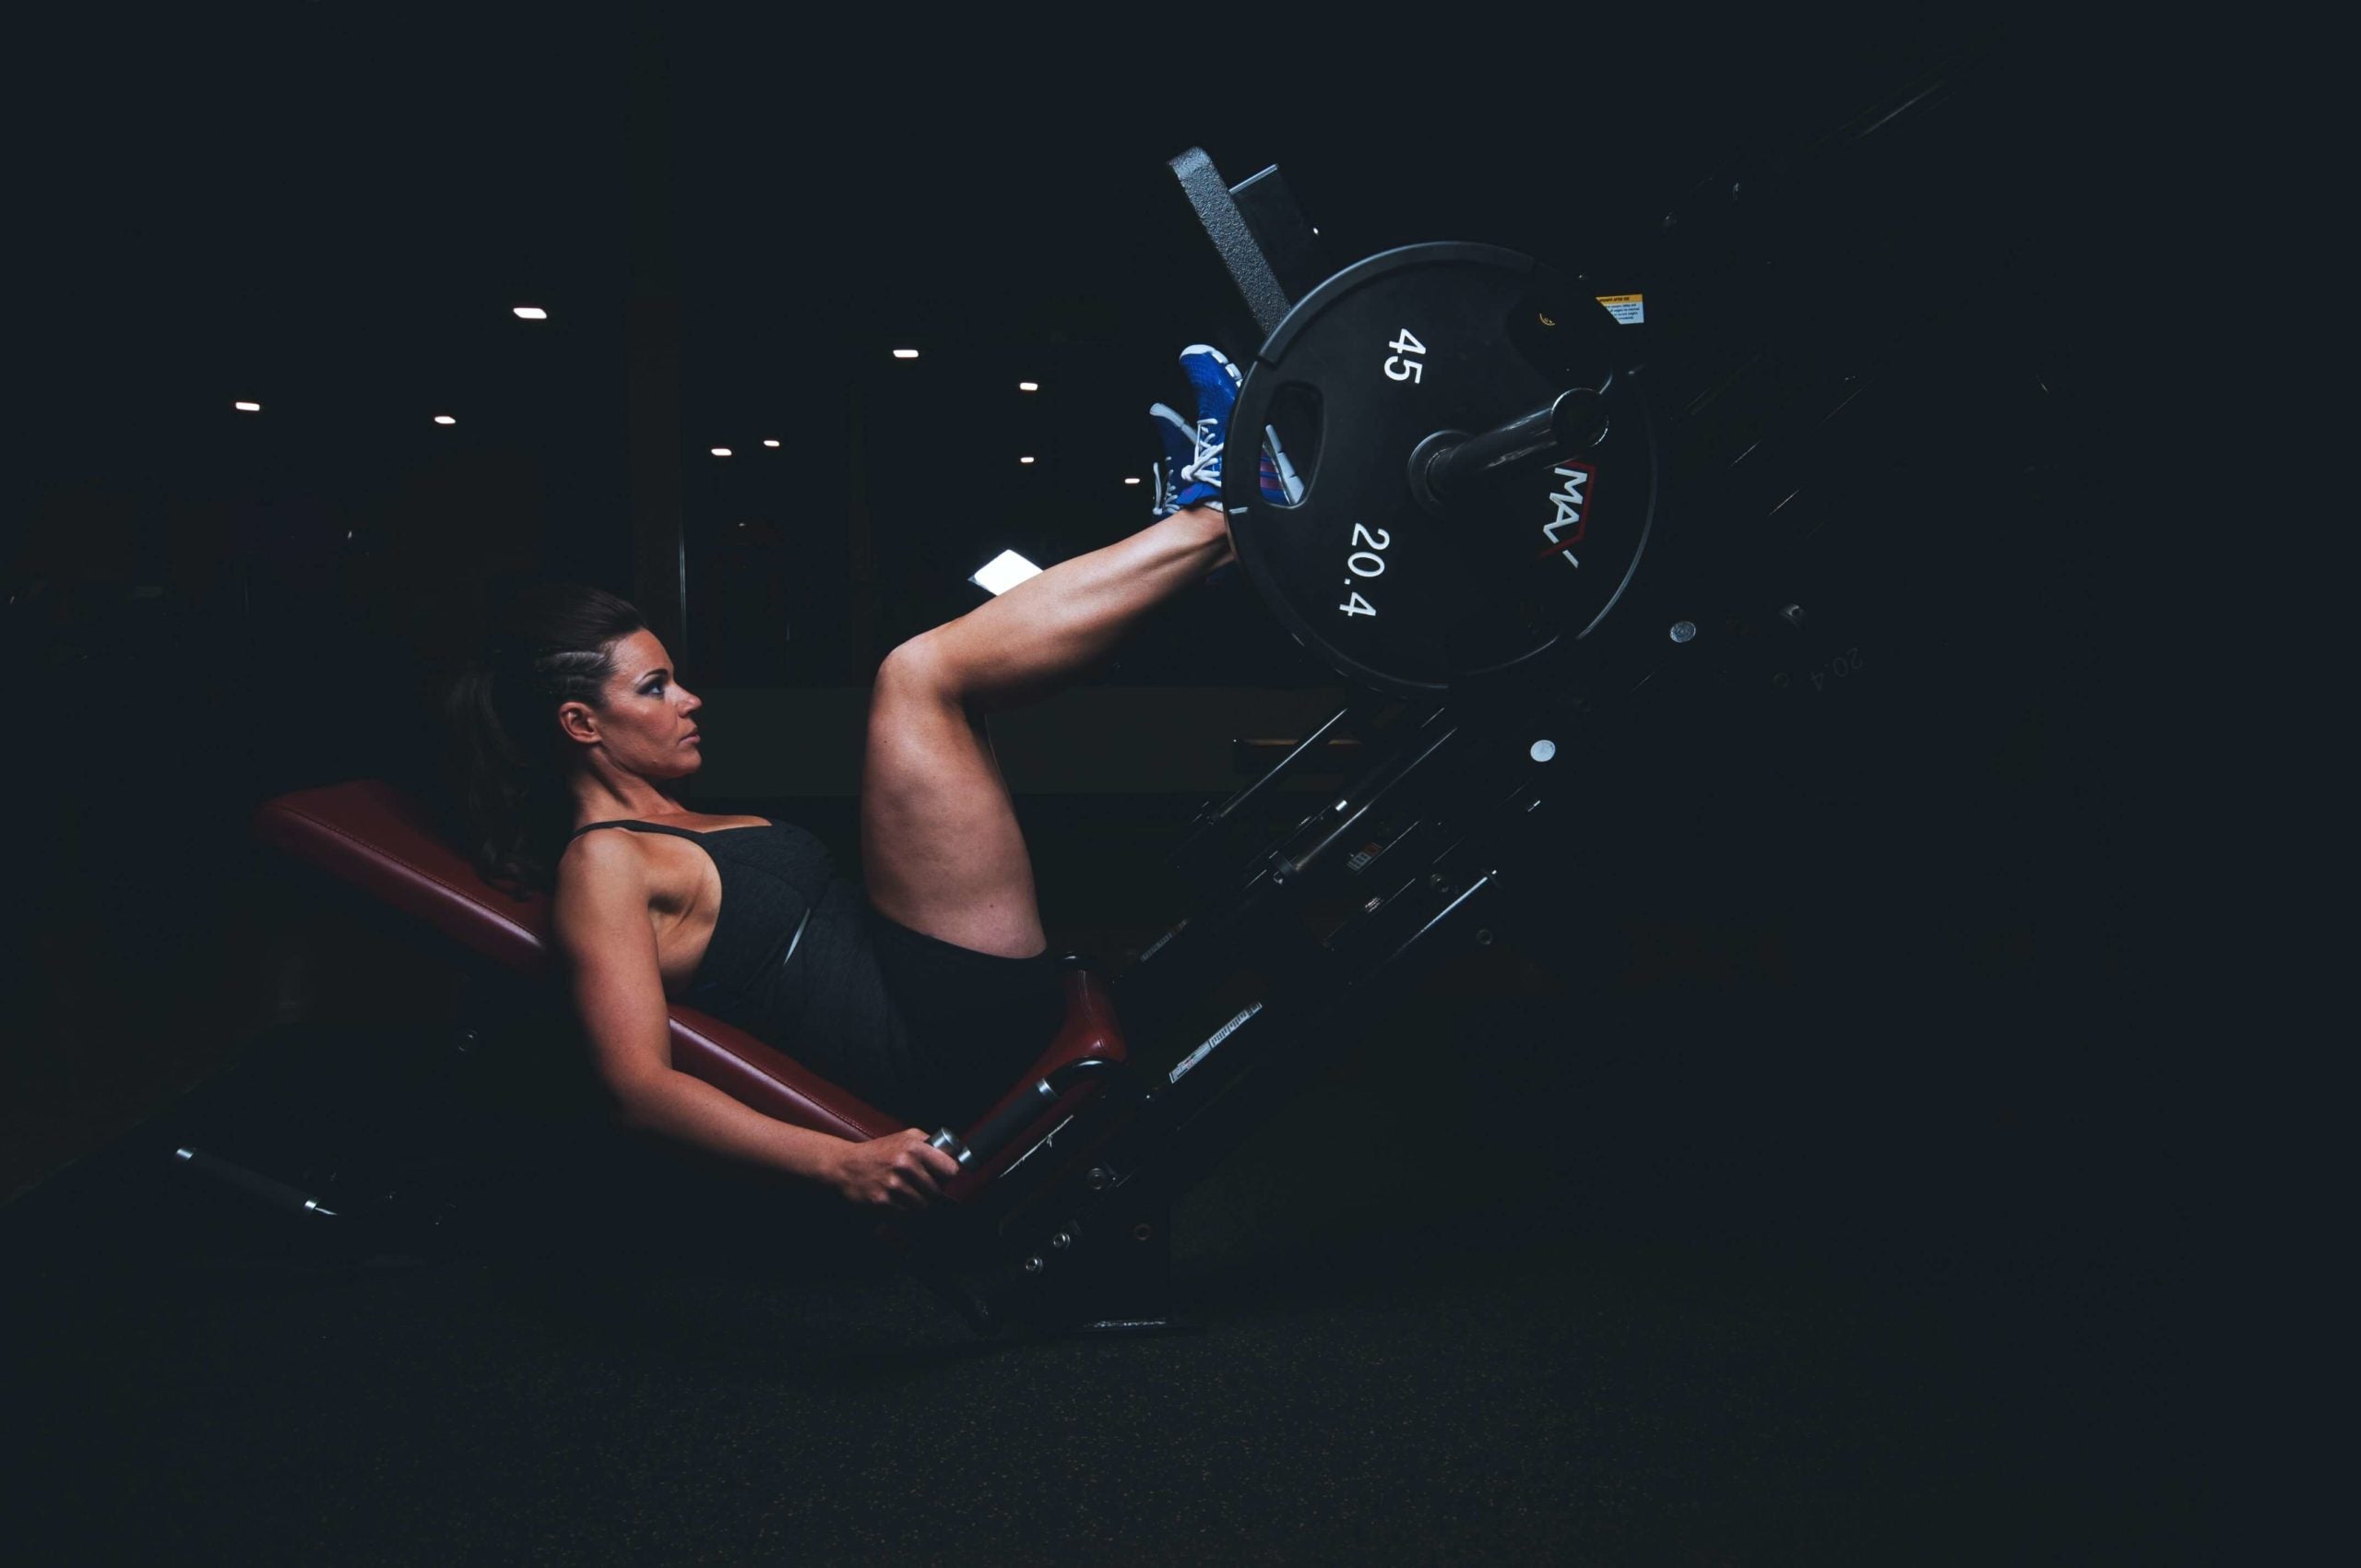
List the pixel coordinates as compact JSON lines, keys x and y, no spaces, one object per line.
{"x":1434,"y":880}
{"x":1793,"y":615}
{"x":1099,"y":1179}
{"x":1061,"y":1240}
{"x":1684,"y":631}
{"x":1484,"y":937}
{"x":1034,"y":1265}
{"x":1143,"y":1231}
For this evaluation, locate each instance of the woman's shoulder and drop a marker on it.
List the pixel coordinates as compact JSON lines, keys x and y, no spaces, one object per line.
{"x":603,"y":891}
{"x":593,"y":863}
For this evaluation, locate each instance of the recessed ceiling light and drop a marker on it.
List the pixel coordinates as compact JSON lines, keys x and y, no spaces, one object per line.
{"x":1024,"y":459}
{"x":248,"y":408}
{"x":444,"y":418}
{"x":1028,"y":387}
{"x":531,"y":312}
{"x":905,"y":354}
{"x":722,"y":451}
{"x":1132,"y":480}
{"x":769,"y":442}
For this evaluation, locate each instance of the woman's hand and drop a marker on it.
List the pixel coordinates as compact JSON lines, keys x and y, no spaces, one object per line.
{"x":898,"y":1170}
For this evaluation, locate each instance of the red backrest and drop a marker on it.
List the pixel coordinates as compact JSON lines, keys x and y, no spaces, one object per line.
{"x":375,"y":837}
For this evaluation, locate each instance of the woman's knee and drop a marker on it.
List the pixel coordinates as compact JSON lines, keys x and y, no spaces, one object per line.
{"x":918,"y":705}
{"x":922,"y":668}
{"x":940,"y":671}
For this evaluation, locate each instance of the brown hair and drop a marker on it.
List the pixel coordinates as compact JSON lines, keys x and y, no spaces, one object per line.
{"x":553,"y":644}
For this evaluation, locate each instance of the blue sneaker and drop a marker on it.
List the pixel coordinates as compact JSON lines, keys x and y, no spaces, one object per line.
{"x":1180,"y":438}
{"x":1217,"y":381}
{"x":1276,"y":475}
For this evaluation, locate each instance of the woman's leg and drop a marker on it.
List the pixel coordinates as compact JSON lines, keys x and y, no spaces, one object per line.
{"x":941,"y":851}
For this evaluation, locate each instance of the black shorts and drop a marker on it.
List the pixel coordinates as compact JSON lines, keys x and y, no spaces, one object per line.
{"x":974,"y":1021}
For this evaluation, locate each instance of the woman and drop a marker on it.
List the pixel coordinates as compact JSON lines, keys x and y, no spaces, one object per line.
{"x":927,"y":990}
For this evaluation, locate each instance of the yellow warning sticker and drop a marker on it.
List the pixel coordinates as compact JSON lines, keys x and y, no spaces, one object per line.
{"x":1625,"y":308}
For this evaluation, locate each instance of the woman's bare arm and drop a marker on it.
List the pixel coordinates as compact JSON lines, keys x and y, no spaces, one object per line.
{"x":600,"y":925}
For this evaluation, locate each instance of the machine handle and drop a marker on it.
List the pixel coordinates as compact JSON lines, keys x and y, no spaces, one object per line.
{"x":278,"y":1194}
{"x":1006,"y":1125}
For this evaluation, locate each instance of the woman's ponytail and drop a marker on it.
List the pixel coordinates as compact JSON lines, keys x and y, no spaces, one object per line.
{"x":553,"y":644}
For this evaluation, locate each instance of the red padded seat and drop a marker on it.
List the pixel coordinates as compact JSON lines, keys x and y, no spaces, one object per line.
{"x":382,"y":840}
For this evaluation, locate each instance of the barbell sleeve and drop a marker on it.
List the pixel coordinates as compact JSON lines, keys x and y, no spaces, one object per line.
{"x":1445,"y":464}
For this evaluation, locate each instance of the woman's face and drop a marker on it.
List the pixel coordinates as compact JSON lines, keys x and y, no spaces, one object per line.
{"x":644,"y":726}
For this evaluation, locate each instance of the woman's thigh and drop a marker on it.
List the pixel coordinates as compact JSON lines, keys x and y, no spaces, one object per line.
{"x":941,"y":848}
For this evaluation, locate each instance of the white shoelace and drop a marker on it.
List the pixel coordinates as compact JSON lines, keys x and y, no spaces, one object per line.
{"x":1209,"y":451}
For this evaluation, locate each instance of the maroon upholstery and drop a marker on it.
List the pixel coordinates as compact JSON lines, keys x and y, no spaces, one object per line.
{"x":375,"y":836}
{"x":1090,"y":1031}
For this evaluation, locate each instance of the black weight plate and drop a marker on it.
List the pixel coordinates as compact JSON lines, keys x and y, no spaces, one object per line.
{"x":1429,"y":337}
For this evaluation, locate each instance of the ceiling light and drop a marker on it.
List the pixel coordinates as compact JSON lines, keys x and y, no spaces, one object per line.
{"x":905,"y":354}
{"x":1028,"y":387}
{"x":722,"y":451}
{"x":769,"y":442}
{"x":1133,"y":481}
{"x":1024,"y":459}
{"x":531,"y":312}
{"x":444,"y":418}
{"x":248,"y":408}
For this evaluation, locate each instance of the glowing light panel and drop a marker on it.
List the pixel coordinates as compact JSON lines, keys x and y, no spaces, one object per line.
{"x":1003,"y":572}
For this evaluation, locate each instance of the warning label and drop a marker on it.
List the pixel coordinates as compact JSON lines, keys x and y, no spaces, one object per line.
{"x":1625,"y":308}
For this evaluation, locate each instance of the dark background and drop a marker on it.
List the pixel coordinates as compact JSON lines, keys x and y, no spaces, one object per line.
{"x":1876,"y":987}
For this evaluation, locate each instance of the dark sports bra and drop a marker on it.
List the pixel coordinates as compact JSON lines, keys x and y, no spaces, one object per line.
{"x":772,"y":878}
